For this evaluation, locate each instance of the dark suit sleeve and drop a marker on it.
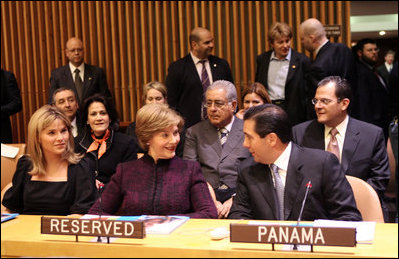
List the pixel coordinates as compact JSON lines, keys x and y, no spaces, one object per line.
{"x":241,"y":208}
{"x":379,"y":169}
{"x":337,"y":192}
{"x":12,"y":95}
{"x":85,"y":188}
{"x":173,"y":85}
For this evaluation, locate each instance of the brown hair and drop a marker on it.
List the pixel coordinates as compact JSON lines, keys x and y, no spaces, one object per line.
{"x":152,"y":118}
{"x":258,"y":89}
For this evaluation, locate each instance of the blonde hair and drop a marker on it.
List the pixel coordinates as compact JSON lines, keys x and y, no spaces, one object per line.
{"x":278,"y":30}
{"x":39,"y":121}
{"x":156,"y":86}
{"x":152,"y":118}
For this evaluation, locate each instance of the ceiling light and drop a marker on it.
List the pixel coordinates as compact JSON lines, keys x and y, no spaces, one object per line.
{"x":382,"y":33}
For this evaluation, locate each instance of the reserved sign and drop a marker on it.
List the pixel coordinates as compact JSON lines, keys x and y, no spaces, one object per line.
{"x":92,"y":227}
{"x":277,"y":234}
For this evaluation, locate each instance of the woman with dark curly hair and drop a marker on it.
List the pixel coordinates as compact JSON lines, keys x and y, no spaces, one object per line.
{"x":102,"y":142}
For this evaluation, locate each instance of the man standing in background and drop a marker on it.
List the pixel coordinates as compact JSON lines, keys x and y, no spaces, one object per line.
{"x":189,"y":77}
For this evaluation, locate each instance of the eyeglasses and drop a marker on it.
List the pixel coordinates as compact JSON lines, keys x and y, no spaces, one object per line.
{"x":324,"y":101}
{"x":218,"y":104}
{"x":371,"y":50}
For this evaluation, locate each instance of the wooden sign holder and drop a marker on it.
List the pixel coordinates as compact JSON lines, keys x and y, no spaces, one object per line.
{"x":294,"y":235}
{"x":92,"y":227}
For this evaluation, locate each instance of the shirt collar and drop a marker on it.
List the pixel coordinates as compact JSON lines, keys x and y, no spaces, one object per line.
{"x":72,"y":67}
{"x":288,"y":57}
{"x":283,"y":159}
{"x":195,"y":59}
{"x":318,"y":49}
{"x":230,"y":125}
{"x":340,"y":127}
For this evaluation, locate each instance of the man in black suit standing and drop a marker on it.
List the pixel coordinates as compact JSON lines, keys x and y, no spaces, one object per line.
{"x":84,"y":79}
{"x":282,"y":71}
{"x":332,"y":59}
{"x":360,"y":146}
{"x":274,"y":187}
{"x":372,"y":97}
{"x":385,"y":69}
{"x":11,"y":103}
{"x":189,"y":77}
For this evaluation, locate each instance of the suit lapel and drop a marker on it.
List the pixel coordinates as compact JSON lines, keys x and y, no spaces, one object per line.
{"x":88,"y":79}
{"x":291,"y":69}
{"x":294,"y":182}
{"x":67,"y":77}
{"x":192,"y":69}
{"x":263,"y":182}
{"x":233,"y":139}
{"x":211,"y":136}
{"x":350,"y":144}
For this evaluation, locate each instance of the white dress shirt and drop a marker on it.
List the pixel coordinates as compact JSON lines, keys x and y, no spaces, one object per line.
{"x":198,"y":66}
{"x":81,"y":69}
{"x":282,"y":163}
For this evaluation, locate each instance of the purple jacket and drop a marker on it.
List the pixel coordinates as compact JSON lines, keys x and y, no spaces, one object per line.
{"x":170,"y":187}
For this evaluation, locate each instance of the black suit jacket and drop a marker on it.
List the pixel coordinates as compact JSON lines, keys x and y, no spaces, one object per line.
{"x":333,"y":59}
{"x":372,"y":98}
{"x":295,"y":85}
{"x":94,"y":82}
{"x":185,"y":92}
{"x":11,"y":103}
{"x":330,"y":197}
{"x":383,"y":71}
{"x":364,"y":152}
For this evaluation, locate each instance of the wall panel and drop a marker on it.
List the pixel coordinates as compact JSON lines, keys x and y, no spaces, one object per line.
{"x":135,"y":41}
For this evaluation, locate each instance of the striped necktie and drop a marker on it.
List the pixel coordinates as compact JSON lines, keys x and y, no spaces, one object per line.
{"x":279,"y":188}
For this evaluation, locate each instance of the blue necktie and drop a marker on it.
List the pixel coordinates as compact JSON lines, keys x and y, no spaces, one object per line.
{"x":279,"y":187}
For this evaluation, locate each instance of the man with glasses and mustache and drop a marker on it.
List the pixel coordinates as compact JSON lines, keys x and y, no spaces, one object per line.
{"x":372,"y":96}
{"x":359,"y":146}
{"x":216,"y":143}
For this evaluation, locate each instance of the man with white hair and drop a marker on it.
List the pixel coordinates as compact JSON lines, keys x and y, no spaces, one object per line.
{"x":216,"y":143}
{"x":332,"y":59}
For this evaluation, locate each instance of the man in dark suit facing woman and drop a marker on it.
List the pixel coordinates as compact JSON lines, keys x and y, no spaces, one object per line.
{"x":282,"y":71}
{"x":84,"y":79}
{"x":189,"y":77}
{"x":360,"y":145}
{"x":332,"y":59}
{"x":274,"y":187}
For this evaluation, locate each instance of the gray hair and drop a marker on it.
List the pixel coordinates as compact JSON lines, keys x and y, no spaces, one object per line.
{"x":228,"y":86}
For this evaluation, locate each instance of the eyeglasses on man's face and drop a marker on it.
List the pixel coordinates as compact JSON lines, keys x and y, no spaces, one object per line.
{"x":323,"y":101}
{"x":218,"y":104}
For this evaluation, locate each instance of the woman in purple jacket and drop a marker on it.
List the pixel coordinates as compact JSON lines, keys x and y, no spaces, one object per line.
{"x":159,"y":183}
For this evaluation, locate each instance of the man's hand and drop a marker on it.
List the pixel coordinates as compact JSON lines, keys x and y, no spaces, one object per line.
{"x":224,"y":210}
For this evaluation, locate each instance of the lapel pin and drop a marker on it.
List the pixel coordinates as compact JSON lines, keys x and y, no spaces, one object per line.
{"x":89,"y":78}
{"x":214,"y":65}
{"x":293,"y":66}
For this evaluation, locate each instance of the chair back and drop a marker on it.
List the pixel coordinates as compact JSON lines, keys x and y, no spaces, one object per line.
{"x":8,"y":165}
{"x":367,"y":200}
